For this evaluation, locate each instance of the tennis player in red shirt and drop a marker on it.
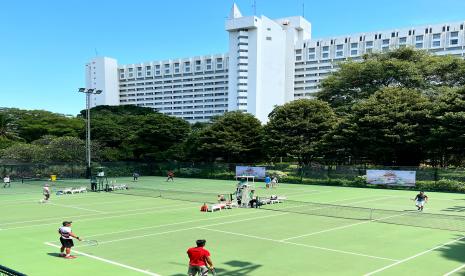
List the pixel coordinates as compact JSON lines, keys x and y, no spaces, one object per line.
{"x":199,"y":260}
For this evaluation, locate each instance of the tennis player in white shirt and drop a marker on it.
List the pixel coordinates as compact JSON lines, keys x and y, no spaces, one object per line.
{"x":66,"y":239}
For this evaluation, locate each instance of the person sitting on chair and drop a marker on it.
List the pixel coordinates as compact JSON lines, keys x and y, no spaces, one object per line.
{"x":221,"y":199}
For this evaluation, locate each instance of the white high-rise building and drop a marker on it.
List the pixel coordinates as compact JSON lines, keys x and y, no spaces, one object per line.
{"x":269,"y":62}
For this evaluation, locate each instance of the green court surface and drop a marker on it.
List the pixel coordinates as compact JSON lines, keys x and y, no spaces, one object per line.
{"x":143,"y":235}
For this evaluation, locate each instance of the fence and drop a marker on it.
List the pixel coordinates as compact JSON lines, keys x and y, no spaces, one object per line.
{"x":429,"y":178}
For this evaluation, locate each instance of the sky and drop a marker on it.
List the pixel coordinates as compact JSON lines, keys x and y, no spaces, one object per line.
{"x":44,"y":45}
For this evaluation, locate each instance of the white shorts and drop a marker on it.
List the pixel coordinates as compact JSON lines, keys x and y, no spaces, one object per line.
{"x":420,"y":203}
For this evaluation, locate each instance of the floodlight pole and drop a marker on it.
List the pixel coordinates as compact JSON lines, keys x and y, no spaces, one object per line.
{"x":88,"y":93}
{"x":88,"y":156}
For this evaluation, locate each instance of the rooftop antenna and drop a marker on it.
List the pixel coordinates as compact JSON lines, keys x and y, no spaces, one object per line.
{"x":96,"y":52}
{"x":254,"y":6}
{"x":303,"y":9}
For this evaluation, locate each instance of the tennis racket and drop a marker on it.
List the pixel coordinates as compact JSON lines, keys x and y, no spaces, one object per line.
{"x":90,"y":242}
{"x":212,"y":270}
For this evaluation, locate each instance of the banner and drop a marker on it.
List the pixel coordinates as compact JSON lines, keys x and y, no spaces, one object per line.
{"x":258,"y":172}
{"x":391,"y":177}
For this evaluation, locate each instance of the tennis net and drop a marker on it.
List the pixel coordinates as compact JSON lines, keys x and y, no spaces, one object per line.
{"x":409,"y":218}
{"x":5,"y":271}
{"x":193,"y":196}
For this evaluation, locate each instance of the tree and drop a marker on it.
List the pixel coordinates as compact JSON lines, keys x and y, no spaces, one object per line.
{"x":8,"y":131}
{"x":391,"y":127}
{"x":232,"y":137}
{"x":404,"y":68}
{"x":296,"y":130}
{"x":33,"y":124}
{"x":158,"y":137}
{"x":67,"y":149}
{"x":22,"y":152}
{"x":448,"y":132}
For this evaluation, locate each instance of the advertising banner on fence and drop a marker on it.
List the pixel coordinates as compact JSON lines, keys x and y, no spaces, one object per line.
{"x":391,"y":177}
{"x":258,"y":172}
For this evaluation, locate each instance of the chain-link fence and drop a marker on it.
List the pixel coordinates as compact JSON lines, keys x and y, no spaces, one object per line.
{"x":447,"y":179}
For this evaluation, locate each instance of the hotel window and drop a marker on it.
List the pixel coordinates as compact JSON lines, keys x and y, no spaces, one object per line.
{"x":419,"y":38}
{"x":339,"y":50}
{"x":454,"y":38}
{"x":353,"y":52}
{"x":311,"y":53}
{"x":176,"y":67}
{"x":219,"y":63}
{"x":402,"y":40}
{"x":121,"y":73}
{"x":148,"y":71}
{"x":209,"y":64}
{"x":369,"y":44}
{"x":198,"y":65}
{"x":436,"y":40}
{"x":167,"y":68}
{"x":325,"y":52}
{"x":385,"y":41}
{"x":353,"y":45}
{"x":419,"y":45}
{"x":187,"y":66}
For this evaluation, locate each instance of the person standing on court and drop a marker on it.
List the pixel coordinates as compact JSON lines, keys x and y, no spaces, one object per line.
{"x":135,"y":176}
{"x":46,"y":193}
{"x":267,"y":181}
{"x":199,"y":259}
{"x":6,"y":181}
{"x":66,"y":240}
{"x":170,"y":176}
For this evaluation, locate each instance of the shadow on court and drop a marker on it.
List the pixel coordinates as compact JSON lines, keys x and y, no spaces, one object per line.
{"x":238,"y":268}
{"x":454,"y":252}
{"x":455,"y":209}
{"x":54,"y":254}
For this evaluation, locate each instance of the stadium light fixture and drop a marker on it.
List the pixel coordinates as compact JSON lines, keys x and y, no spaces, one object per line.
{"x":82,"y":90}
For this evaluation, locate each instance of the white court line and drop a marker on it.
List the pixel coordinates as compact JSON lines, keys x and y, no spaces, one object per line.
{"x":109,"y":261}
{"x":103,"y":218}
{"x":344,"y":226}
{"x":414,"y":256}
{"x":188,"y":228}
{"x":299,"y":244}
{"x":90,"y":215}
{"x":308,"y":192}
{"x":177,"y":223}
{"x":120,"y":201}
{"x":74,"y":207}
{"x":39,"y":196}
{"x":455,"y":270}
{"x":195,"y":227}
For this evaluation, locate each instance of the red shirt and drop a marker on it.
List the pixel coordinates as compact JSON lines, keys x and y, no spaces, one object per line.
{"x":197,"y":256}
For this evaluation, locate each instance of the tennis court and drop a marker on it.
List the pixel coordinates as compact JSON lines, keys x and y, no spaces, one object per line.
{"x":145,"y":234}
